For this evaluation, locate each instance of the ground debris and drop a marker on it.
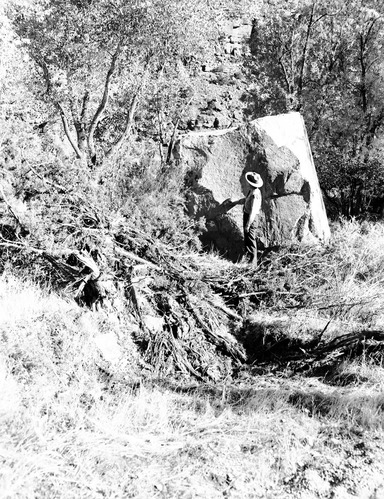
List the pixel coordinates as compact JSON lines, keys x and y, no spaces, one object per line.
{"x":204,"y":303}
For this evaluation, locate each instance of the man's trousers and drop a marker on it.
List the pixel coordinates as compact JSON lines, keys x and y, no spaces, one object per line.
{"x":250,"y":245}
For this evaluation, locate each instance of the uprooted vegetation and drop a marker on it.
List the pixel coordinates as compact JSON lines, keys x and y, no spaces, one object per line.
{"x":189,"y":313}
{"x":72,"y":425}
{"x":134,"y":365}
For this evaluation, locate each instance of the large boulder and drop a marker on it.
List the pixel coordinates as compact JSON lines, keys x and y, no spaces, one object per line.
{"x":276,"y":147}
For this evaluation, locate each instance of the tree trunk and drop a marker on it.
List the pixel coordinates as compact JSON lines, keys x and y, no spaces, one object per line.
{"x":131,"y":113}
{"x":128,"y":126}
{"x":72,"y":141}
{"x":82,"y":140}
{"x":103,"y":104}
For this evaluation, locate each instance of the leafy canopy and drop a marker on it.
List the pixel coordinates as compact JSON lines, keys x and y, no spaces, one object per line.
{"x":325,"y":60}
{"x":95,"y":58}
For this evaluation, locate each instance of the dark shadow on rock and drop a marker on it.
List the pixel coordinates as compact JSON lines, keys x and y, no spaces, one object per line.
{"x":223,"y":236}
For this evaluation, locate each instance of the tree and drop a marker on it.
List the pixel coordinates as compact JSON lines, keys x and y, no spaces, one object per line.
{"x":325,"y":61}
{"x":94,"y":60}
{"x":352,"y":121}
{"x":19,"y":110}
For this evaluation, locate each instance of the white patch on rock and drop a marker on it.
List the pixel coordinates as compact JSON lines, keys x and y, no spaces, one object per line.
{"x":288,"y":130}
{"x":108,"y":347}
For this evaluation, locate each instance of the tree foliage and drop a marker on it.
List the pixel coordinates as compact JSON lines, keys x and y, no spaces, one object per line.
{"x":325,"y":60}
{"x":95,"y":60}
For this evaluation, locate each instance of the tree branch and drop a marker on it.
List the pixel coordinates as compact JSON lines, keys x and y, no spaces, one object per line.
{"x":174,"y":133}
{"x":130,"y":115}
{"x":304,"y":53}
{"x":58,"y":187}
{"x":128,"y":125}
{"x":44,"y":67}
{"x":11,"y":210}
{"x":104,"y":101}
{"x":282,"y":65}
{"x":64,"y":120}
{"x":84,"y":108}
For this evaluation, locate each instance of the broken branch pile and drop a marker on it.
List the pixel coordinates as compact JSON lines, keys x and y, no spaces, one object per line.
{"x":190,"y":309}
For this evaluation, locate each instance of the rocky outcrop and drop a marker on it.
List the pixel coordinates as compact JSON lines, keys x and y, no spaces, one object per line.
{"x":220,"y":85}
{"x":235,"y":34}
{"x":277,"y":148}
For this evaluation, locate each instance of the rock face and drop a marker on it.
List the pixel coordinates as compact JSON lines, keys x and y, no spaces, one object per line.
{"x":220,"y":82}
{"x":277,"y":148}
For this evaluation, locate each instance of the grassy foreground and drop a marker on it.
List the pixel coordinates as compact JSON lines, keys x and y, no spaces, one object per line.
{"x":79,"y":423}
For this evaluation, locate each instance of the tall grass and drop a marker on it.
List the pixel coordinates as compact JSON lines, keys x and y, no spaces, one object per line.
{"x":75,"y":425}
{"x":330,"y":290}
{"x":357,"y":256}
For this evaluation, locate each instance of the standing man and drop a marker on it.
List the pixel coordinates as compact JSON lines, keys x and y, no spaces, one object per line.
{"x":252,"y":206}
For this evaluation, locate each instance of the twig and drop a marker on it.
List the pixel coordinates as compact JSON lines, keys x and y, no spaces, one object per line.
{"x":348,"y":339}
{"x":128,"y":254}
{"x":215,"y":338}
{"x":255,"y":293}
{"x":323,"y":331}
{"x":326,"y":307}
{"x":10,"y":244}
{"x":225,"y":309}
{"x":11,"y":210}
{"x":56,"y":186}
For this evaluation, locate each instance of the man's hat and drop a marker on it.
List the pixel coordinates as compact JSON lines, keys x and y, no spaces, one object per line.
{"x":254,"y":179}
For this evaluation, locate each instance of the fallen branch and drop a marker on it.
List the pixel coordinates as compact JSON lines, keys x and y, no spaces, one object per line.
{"x":60,"y":188}
{"x":315,"y":351}
{"x":347,"y":340}
{"x":225,"y":309}
{"x":128,"y":254}
{"x":10,"y":208}
{"x":87,"y":277}
{"x":228,"y":344}
{"x":5,"y":243}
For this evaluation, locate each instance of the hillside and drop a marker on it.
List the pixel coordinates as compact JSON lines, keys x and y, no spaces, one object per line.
{"x":82,"y":418}
{"x":136,"y":361}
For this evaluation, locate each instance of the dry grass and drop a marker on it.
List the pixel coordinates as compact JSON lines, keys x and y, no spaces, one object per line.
{"x":73,"y":425}
{"x":162,"y":440}
{"x":357,"y":258}
{"x":323,"y":292}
